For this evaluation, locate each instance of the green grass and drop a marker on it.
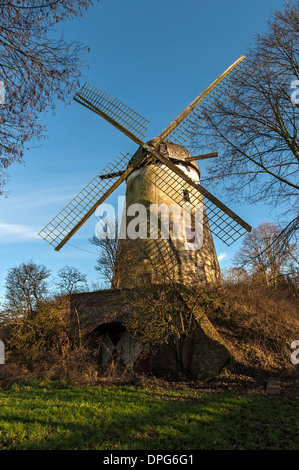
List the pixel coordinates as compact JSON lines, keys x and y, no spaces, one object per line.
{"x":43,"y":416}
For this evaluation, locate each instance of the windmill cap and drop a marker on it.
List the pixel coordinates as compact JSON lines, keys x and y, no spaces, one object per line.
{"x":177,"y":152}
{"x":174,"y":152}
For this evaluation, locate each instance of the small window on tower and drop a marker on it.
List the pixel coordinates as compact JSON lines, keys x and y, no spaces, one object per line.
{"x":185,"y":195}
{"x":200,"y":271}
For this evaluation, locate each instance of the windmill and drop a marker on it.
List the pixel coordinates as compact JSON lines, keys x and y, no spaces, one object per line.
{"x":161,"y":170}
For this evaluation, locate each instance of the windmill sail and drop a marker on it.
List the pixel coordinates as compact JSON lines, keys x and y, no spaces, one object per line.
{"x":114,"y":111}
{"x":72,"y":217}
{"x":216,"y":206}
{"x":223,"y":222}
{"x":192,"y":117}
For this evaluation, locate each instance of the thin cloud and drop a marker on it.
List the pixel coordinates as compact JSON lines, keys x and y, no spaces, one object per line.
{"x":17,"y":233}
{"x":40,"y":198}
{"x":222,"y":256}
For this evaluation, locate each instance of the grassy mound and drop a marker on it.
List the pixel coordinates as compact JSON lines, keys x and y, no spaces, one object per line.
{"x":258,"y":325}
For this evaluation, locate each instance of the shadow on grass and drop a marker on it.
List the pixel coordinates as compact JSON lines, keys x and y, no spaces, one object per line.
{"x":127,"y":418}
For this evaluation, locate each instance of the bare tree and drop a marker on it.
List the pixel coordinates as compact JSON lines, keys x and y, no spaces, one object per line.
{"x":234,"y":275}
{"x":265,"y":254}
{"x":36,"y":67}
{"x":26,"y":288}
{"x":107,"y":248}
{"x":117,"y":257}
{"x":32,"y":338}
{"x":71,"y":280}
{"x":256,"y":130}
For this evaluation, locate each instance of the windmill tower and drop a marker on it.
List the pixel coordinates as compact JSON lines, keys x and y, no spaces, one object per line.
{"x":162,"y":171}
{"x":170,"y":248}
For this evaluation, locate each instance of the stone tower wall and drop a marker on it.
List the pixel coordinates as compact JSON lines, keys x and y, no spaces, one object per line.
{"x":170,"y":257}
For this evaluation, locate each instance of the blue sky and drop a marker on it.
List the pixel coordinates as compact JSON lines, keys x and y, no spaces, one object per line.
{"x":155,"y":56}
